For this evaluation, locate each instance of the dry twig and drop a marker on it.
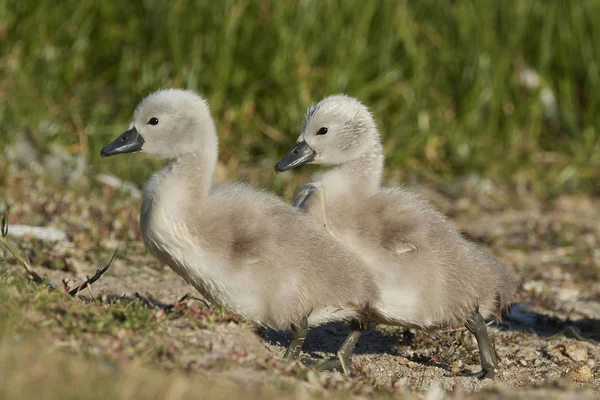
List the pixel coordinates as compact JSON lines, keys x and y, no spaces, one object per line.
{"x":34,"y":276}
{"x":94,"y":278}
{"x":188,"y":296}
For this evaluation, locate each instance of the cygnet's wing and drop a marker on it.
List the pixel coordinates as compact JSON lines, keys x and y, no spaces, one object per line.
{"x":440,"y":245}
{"x":397,"y":220}
{"x":303,"y":197}
{"x":262,"y":235}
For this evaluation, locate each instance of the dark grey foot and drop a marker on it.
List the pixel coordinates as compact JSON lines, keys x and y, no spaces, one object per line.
{"x":299,"y":333}
{"x":333,"y":365}
{"x":479,"y":375}
{"x":488,"y":357}
{"x":323,"y":364}
{"x":343,"y":362}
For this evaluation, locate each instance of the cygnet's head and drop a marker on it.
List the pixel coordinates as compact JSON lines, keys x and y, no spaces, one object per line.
{"x":167,"y":123}
{"x":335,"y":131}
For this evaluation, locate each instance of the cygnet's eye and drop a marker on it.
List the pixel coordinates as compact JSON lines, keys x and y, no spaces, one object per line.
{"x":322,"y":131}
{"x":153,"y":121}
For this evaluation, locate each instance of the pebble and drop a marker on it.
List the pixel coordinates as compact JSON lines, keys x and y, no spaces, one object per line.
{"x":45,"y":233}
{"x":575,"y":352}
{"x":581,"y":373}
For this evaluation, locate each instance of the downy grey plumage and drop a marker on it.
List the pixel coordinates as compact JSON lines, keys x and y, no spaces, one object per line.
{"x":238,"y":246}
{"x":428,"y":274}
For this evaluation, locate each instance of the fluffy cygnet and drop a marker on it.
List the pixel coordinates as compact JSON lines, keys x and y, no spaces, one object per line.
{"x":238,"y":246}
{"x":428,"y":274}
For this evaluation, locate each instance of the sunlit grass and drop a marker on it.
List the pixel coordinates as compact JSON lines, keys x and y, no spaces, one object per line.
{"x":442,"y":79}
{"x":54,"y":346}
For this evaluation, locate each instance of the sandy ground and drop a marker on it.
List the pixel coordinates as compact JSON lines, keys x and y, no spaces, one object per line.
{"x":549,"y":342}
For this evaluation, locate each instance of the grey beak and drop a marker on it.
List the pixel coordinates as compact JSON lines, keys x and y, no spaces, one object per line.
{"x":129,"y":142}
{"x":300,"y":154}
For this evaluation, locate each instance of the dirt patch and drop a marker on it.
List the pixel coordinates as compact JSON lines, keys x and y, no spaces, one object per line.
{"x":550,"y":337}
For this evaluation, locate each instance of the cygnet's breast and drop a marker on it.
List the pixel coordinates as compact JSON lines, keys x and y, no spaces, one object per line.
{"x":324,"y":202}
{"x":159,"y":219}
{"x":164,"y":229}
{"x":164,"y":225}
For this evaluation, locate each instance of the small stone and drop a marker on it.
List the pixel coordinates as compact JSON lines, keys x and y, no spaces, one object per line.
{"x":575,"y":352}
{"x":568,"y":294}
{"x":581,"y":373}
{"x":528,"y":354}
{"x":523,"y":362}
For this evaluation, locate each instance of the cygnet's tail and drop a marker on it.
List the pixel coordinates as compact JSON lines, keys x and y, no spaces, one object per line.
{"x":506,"y":290}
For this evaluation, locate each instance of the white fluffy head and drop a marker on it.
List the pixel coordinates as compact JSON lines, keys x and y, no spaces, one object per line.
{"x":184,"y":123}
{"x":339,"y":129}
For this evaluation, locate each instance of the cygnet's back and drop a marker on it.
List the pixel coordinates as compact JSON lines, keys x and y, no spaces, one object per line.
{"x":399,"y":227}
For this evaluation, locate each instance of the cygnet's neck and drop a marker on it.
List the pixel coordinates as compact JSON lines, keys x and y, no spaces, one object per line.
{"x":364,"y":173}
{"x":195,"y":169}
{"x":185,"y":182}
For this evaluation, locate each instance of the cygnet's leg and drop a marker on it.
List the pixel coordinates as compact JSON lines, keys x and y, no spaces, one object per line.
{"x":487,"y":354}
{"x":343,"y":361}
{"x":299,"y":332}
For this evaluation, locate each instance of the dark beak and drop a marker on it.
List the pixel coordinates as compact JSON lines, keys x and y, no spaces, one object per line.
{"x":129,"y":142}
{"x":300,"y":154}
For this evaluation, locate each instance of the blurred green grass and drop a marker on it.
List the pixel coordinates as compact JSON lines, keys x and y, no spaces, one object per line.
{"x":33,"y":366}
{"x":442,"y":78}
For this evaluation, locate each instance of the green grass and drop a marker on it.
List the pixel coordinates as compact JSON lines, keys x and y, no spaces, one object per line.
{"x":54,"y":346}
{"x":27,"y":307}
{"x":440,"y":77}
